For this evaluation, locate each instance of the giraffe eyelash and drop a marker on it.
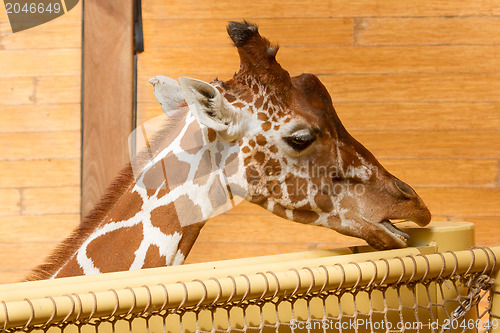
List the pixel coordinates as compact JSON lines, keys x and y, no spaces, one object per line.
{"x":299,"y":141}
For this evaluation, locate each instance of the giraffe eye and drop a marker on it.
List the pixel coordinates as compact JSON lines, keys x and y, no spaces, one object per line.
{"x":300,"y":140}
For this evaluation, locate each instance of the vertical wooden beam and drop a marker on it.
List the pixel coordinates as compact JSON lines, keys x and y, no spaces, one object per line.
{"x":107,"y":94}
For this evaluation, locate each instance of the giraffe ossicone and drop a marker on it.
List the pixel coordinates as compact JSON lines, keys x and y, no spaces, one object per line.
{"x":263,"y":135}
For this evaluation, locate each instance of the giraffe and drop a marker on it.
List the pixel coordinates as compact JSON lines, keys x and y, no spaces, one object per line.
{"x":267,"y":137}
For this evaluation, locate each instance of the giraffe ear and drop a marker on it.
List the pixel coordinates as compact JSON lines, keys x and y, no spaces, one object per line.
{"x":167,"y":92}
{"x":207,"y":104}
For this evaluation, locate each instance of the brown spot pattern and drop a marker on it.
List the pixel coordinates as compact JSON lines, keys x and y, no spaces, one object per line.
{"x":262,"y":116}
{"x":153,"y":258}
{"x":258,"y":102}
{"x":247,"y":97}
{"x":255,"y":89}
{"x":324,"y":202}
{"x":253,"y":175}
{"x":272,"y":167}
{"x":162,"y":217}
{"x":238,"y":105}
{"x":261,"y":140}
{"x":192,"y":139}
{"x":212,"y":135}
{"x":260,"y":157}
{"x":71,"y":268}
{"x":274,"y":188}
{"x":231,"y":166}
{"x":230,"y":98}
{"x":154,"y":177}
{"x":304,"y":216}
{"x":129,"y":205}
{"x":297,"y":188}
{"x":279,"y":210}
{"x":273,"y":99}
{"x":176,"y":170}
{"x":187,"y":210}
{"x":189,"y":235}
{"x":247,"y":160}
{"x":266,"y":126}
{"x":217,"y":194}
{"x":120,"y":256}
{"x":204,"y":169}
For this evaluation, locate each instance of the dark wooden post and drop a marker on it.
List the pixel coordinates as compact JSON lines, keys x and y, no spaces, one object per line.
{"x":107,"y":94}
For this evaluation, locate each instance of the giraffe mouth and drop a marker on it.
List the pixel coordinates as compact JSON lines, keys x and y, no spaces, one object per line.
{"x":394,"y":231}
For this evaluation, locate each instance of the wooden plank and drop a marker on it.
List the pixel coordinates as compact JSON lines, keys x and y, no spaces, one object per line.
{"x":12,"y":276}
{"x":4,"y":16}
{"x":24,"y":256}
{"x":210,"y":251}
{"x":444,"y":172}
{"x":36,"y":118}
{"x":145,"y":89}
{"x":66,"y":89}
{"x":27,"y":62}
{"x":42,"y":145}
{"x":252,"y":9}
{"x":212,"y":32}
{"x":107,"y":102}
{"x":37,"y":228}
{"x":27,"y":173}
{"x":174,"y":61}
{"x":51,"y":200}
{"x":147,"y":111}
{"x":431,"y":144}
{"x":428,"y":30}
{"x":486,"y":229}
{"x":55,"y":34}
{"x":462,"y":201}
{"x":390,"y":59}
{"x":17,"y":91}
{"x":463,"y":87}
{"x":10,"y":202}
{"x":328,"y":60}
{"x":416,"y":116}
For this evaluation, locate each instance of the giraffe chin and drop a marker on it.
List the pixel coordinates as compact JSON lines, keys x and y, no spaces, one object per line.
{"x":384,"y":235}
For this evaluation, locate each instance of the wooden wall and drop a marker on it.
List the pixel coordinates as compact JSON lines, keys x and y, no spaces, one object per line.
{"x":39,"y":140}
{"x":416,"y":84}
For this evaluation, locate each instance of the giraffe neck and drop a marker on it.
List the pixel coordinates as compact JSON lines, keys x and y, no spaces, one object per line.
{"x":181,"y":180}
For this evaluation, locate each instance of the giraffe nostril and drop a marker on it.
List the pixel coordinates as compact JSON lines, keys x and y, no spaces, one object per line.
{"x":406,"y":189}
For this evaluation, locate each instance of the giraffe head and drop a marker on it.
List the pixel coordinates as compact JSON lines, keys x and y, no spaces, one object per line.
{"x":299,"y":161}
